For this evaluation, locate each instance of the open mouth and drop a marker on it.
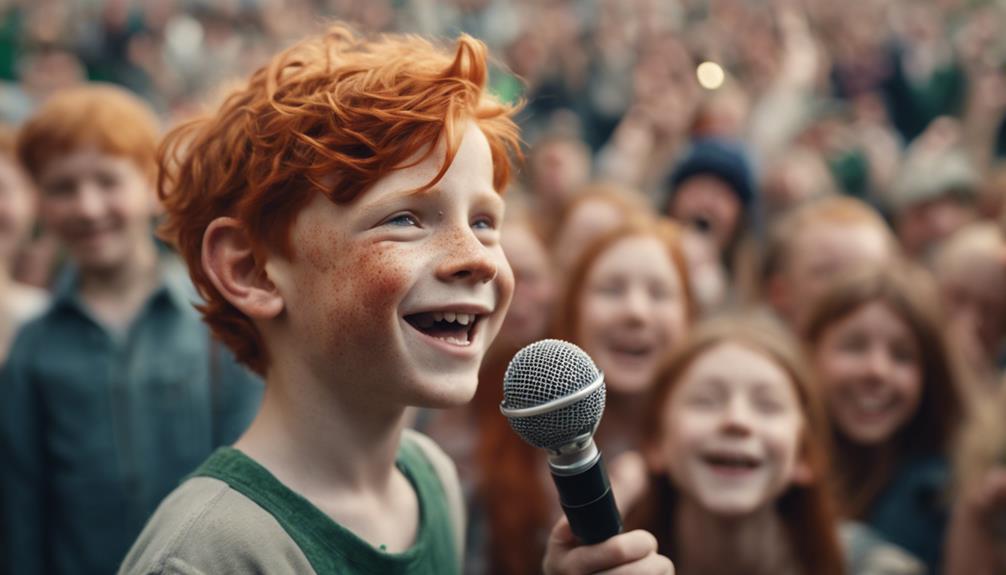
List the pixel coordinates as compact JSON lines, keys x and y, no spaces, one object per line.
{"x":731,"y":463}
{"x":873,"y":405}
{"x":631,"y":349}
{"x":452,"y":327}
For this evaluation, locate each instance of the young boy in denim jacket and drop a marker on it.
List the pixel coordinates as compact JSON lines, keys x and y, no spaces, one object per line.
{"x":115,"y":393}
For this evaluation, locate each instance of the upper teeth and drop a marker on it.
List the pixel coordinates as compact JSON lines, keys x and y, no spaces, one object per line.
{"x":462,"y":318}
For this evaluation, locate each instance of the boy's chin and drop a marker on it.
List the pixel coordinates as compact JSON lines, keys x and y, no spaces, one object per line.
{"x":451,"y":394}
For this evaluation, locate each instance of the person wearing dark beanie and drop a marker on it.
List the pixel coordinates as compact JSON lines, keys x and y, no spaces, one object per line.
{"x":712,"y":189}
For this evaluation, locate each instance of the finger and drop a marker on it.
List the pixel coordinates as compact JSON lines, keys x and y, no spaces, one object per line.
{"x":620,"y":549}
{"x":562,"y":534}
{"x":650,"y":565}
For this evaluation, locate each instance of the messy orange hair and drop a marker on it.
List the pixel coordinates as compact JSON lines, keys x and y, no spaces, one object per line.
{"x":104,"y":116}
{"x":332,"y":114}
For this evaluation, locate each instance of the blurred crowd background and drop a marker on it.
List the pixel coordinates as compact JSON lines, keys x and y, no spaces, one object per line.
{"x":735,"y":118}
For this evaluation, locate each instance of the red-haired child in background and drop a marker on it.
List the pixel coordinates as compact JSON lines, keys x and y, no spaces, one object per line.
{"x":737,"y":457}
{"x":115,"y":393}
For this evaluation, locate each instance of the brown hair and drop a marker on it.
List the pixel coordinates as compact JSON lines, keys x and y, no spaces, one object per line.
{"x":806,"y":510}
{"x":910,"y":293}
{"x":331,"y":115}
{"x":108,"y":117}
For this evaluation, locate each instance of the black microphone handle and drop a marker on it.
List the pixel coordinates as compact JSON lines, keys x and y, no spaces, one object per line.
{"x":589,"y":504}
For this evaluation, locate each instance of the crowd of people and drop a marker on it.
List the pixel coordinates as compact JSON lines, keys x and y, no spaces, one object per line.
{"x":778,"y":228}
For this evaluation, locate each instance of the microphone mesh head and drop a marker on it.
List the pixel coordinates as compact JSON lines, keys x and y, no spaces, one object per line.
{"x":544,"y":371}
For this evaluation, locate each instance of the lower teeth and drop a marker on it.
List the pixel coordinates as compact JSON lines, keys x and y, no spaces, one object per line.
{"x":455,"y":340}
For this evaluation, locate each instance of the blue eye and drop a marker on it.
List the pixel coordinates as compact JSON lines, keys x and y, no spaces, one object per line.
{"x":403,"y":220}
{"x":484,"y":223}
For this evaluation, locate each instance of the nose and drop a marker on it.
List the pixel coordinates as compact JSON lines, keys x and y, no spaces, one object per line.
{"x":87,"y":202}
{"x":466,"y":258}
{"x":637,"y":303}
{"x":879,"y":362}
{"x":737,"y":417}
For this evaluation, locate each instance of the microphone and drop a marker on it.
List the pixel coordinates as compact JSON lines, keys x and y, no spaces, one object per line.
{"x":553,"y":397}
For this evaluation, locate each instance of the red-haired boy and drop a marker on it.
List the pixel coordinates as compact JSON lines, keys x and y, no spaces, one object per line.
{"x":115,"y":392}
{"x":341,"y":215}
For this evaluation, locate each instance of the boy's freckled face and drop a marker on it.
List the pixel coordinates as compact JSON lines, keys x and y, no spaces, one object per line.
{"x":399,"y":290}
{"x":99,"y":205}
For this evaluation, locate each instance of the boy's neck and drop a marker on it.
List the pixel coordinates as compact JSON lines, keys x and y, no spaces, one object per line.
{"x":116,"y":294}
{"x":710,"y":544}
{"x":317,"y":440}
{"x":338,"y":453}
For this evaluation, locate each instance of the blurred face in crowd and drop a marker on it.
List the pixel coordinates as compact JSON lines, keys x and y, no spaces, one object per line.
{"x":559,"y":168}
{"x":709,"y":205}
{"x":534,"y":290}
{"x":821,"y":253}
{"x":793,"y":178}
{"x":99,"y":206}
{"x":632,"y":311}
{"x":17,"y":208}
{"x":922,"y":226}
{"x":731,"y":431}
{"x":974,"y":291}
{"x":869,"y":365}
{"x":588,"y":220}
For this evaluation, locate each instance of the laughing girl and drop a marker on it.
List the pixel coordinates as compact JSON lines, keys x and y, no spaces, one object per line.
{"x":736,"y":454}
{"x":892,"y":392}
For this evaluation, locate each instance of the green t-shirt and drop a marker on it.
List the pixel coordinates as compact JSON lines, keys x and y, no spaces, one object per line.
{"x":233,"y":516}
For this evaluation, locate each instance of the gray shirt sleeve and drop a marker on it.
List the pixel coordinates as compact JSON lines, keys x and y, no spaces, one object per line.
{"x":206,"y":527}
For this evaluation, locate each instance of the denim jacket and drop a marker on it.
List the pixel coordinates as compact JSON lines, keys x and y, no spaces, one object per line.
{"x":97,"y":427}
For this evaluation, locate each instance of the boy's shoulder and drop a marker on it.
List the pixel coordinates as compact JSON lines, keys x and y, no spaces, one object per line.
{"x":200,"y":519}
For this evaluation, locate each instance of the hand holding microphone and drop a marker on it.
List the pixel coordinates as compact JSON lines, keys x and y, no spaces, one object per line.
{"x":553,"y":397}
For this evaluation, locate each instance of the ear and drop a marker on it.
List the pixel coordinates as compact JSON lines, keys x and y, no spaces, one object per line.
{"x":230,"y":262}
